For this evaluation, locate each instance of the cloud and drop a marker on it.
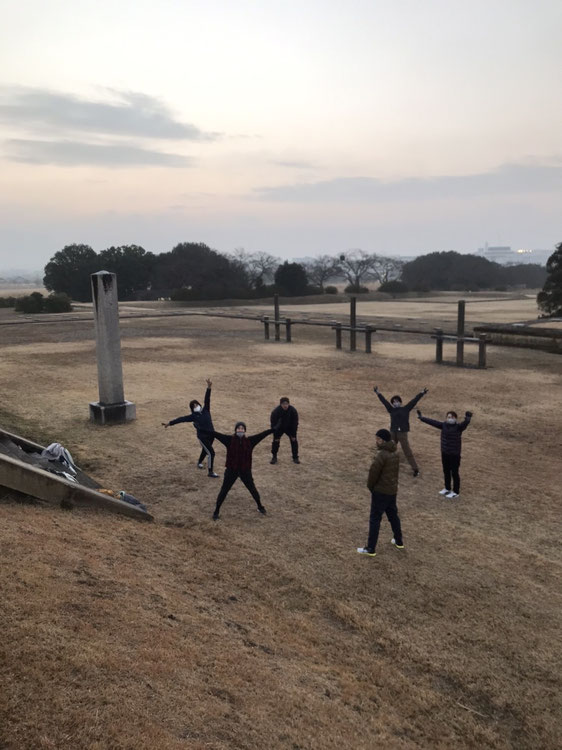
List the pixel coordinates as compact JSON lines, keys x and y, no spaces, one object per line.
{"x":295,"y":164}
{"x":507,"y":179}
{"x":132,"y":114}
{"x":75,"y":153}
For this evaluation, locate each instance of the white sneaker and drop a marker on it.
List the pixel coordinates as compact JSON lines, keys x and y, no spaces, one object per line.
{"x":444,"y":491}
{"x":365,"y":551}
{"x":200,"y":466}
{"x":452,"y":496}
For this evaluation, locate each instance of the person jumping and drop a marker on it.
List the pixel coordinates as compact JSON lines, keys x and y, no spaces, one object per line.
{"x":203,"y":423}
{"x":239,"y":450}
{"x":400,"y":423}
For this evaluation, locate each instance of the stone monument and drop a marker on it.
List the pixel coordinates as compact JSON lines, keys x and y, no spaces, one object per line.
{"x":112,"y":407}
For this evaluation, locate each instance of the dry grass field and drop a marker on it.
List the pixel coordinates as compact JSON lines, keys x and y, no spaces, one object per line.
{"x":480,"y":308}
{"x":271,"y":632}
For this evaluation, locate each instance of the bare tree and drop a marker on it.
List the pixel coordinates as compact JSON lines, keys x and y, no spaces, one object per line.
{"x":386,"y":268}
{"x":263,"y":265}
{"x":356,"y":266}
{"x":322,"y":269}
{"x":259,"y":267}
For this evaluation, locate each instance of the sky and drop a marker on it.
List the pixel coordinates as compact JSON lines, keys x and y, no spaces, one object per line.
{"x":298,"y":128}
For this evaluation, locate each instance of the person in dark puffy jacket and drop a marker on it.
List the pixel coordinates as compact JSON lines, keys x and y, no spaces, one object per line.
{"x":400,"y":422}
{"x":451,"y":444}
{"x":239,"y":448}
{"x":203,"y":423}
{"x":383,"y":484}
{"x":288,"y":418}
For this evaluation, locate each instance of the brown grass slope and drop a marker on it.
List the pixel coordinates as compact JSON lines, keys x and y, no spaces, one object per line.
{"x":271,"y":631}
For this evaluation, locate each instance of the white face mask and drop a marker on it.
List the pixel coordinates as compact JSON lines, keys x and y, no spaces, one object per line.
{"x":451,"y":420}
{"x":396,"y":404}
{"x":240,"y":434}
{"x":197,"y":408}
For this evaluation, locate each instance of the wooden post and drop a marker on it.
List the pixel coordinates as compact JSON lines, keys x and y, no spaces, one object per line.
{"x":353,"y":324}
{"x":482,"y":350}
{"x":277,"y":325}
{"x":368,"y":332}
{"x":288,"y":337}
{"x":460,"y":334}
{"x":266,"y":327}
{"x":338,"y":335}
{"x":439,"y":346}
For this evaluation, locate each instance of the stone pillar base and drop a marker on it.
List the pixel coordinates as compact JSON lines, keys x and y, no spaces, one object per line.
{"x":112,"y":413}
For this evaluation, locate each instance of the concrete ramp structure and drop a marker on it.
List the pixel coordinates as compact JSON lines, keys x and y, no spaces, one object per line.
{"x":20,"y":471}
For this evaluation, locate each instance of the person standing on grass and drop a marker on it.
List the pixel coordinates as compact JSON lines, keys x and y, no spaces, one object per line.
{"x":239,"y":448}
{"x":203,"y":423}
{"x":383,"y":484}
{"x":451,"y":444}
{"x":288,"y":417}
{"x":400,"y":422}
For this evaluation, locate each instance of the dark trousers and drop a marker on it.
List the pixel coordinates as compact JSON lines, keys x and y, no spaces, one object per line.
{"x":230,"y":476}
{"x":451,"y":465}
{"x":277,"y":439}
{"x":207,"y":449}
{"x":383,"y":504}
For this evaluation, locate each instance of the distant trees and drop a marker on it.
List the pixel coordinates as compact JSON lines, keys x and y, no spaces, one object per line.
{"x":450,"y":270}
{"x":322,"y":269}
{"x":393,"y":287}
{"x":259,"y":267}
{"x":195,"y":271}
{"x":386,"y":269}
{"x":550,"y":298}
{"x":453,"y":271}
{"x":36,"y":303}
{"x":69,"y":271}
{"x":291,"y":279}
{"x":356,"y":266}
{"x":133,"y":265}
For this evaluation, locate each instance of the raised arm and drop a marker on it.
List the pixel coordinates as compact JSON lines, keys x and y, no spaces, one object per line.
{"x":255,"y":439}
{"x":466,"y":421}
{"x":207,"y":400}
{"x":410,"y":405}
{"x":385,"y":403}
{"x":432,"y":422}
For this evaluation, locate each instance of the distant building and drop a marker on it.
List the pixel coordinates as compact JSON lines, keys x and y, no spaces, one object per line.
{"x":499,"y":254}
{"x":533,"y":256}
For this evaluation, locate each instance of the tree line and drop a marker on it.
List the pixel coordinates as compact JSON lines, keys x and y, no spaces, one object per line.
{"x":194,"y":271}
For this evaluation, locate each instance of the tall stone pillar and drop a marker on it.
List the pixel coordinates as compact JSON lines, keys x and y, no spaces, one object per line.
{"x":112,"y":407}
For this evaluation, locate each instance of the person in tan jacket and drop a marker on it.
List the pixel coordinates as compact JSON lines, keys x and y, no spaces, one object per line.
{"x":383,"y":484}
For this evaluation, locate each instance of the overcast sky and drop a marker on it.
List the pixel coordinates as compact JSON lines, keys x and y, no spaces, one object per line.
{"x":297,"y":127}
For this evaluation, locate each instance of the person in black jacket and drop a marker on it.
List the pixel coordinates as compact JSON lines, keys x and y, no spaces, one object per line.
{"x":239,"y":450}
{"x":288,"y":418}
{"x":400,"y":422}
{"x":451,"y":444}
{"x":203,"y":423}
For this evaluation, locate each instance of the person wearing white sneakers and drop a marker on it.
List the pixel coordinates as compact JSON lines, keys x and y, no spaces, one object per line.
{"x":203,"y":423}
{"x":383,"y":483}
{"x":451,"y":444}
